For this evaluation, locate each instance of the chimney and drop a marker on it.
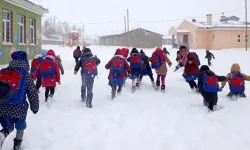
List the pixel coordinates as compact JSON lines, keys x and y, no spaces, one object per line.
{"x":209,"y":19}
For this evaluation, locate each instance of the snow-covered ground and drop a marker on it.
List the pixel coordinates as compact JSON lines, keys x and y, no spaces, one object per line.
{"x":145,"y":120}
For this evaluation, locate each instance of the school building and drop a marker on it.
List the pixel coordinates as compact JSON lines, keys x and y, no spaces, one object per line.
{"x":20,"y":28}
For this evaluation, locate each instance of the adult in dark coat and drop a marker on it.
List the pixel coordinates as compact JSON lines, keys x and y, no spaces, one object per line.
{"x":209,"y":98}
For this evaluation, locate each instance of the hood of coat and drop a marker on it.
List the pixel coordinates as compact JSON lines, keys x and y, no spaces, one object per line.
{"x":134,"y":51}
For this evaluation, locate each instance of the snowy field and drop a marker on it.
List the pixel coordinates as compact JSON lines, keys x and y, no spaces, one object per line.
{"x":145,"y":120}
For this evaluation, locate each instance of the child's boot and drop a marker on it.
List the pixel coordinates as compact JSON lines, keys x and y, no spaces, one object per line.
{"x":133,"y":89}
{"x":163,"y":88}
{"x":3,"y":134}
{"x":157,"y":85}
{"x":17,"y":144}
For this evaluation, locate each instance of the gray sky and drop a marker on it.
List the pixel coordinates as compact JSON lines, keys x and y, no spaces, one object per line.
{"x":102,"y":11}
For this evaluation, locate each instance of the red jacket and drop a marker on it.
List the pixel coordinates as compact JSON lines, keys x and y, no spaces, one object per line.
{"x":51,"y":81}
{"x":161,"y":53}
{"x":125,"y":52}
{"x":122,"y":76}
{"x":193,"y":68}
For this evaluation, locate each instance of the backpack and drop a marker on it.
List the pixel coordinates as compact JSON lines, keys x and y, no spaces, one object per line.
{"x":12,"y":86}
{"x":47,"y":68}
{"x":89,"y":66}
{"x":135,"y":61}
{"x":196,"y":57}
{"x":35,"y":63}
{"x":210,"y":83}
{"x":156,"y":61}
{"x":237,"y":83}
{"x":117,"y":65}
{"x":76,"y":53}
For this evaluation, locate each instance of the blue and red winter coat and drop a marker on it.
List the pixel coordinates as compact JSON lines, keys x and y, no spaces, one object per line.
{"x":135,"y":72}
{"x":126,"y":68}
{"x":19,"y":111}
{"x":49,"y":81}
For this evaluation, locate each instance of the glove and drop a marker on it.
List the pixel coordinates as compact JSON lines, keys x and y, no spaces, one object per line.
{"x":176,"y":68}
{"x":221,"y":89}
{"x":75,"y":72}
{"x":35,"y":112}
{"x":170,"y":64}
{"x":59,"y":83}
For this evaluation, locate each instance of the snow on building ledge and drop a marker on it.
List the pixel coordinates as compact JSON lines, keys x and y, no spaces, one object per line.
{"x":26,"y":4}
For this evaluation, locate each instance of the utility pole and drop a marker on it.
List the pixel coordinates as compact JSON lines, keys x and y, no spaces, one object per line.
{"x":128,"y":19}
{"x":246,"y":37}
{"x":125,"y":23}
{"x":83,"y":42}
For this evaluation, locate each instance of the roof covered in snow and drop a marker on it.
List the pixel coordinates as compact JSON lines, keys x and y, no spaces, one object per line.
{"x":28,"y":5}
{"x":226,"y":24}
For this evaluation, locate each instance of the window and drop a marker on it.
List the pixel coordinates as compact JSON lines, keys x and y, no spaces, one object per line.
{"x":21,"y":29}
{"x":32,"y":31}
{"x":7,"y":27}
{"x":239,"y":38}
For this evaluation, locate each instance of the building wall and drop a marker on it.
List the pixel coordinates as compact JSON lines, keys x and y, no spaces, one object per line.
{"x":223,"y":39}
{"x":192,"y":28}
{"x":6,"y":49}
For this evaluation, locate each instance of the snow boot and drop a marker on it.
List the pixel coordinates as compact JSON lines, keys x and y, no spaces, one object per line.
{"x":119,"y":90}
{"x":133,"y":89}
{"x":210,"y":107}
{"x":3,"y":134}
{"x":89,"y":105}
{"x":243,"y":95}
{"x":230,"y":94}
{"x":17,"y":144}
{"x":157,"y":85}
{"x":153,"y":84}
{"x":83,"y":97}
{"x":163,"y":88}
{"x":137,"y":85}
{"x":113,"y":92}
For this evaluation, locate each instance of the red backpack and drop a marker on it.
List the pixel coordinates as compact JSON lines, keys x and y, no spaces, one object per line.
{"x":135,"y":61}
{"x":89,"y":66}
{"x":76,"y":53}
{"x":117,"y":66}
{"x":47,"y":68}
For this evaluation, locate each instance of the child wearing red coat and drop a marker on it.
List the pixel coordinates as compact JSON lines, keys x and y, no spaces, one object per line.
{"x":119,"y":67}
{"x":48,"y":69}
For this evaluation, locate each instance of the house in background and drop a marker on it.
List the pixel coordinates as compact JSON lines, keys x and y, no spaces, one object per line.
{"x":168,"y":40}
{"x":139,"y":38}
{"x":228,"y":32}
{"x":20,"y":28}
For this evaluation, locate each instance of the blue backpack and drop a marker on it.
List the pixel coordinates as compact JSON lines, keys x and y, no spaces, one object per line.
{"x":210,"y":83}
{"x":12,"y":86}
{"x":156,"y":61}
{"x":237,"y":83}
{"x":135,"y":61}
{"x":89,"y":66}
{"x":117,"y":65}
{"x":197,"y":58}
{"x":47,"y":68}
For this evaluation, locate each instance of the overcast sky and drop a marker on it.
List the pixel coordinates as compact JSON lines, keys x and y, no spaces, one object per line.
{"x":102,"y":17}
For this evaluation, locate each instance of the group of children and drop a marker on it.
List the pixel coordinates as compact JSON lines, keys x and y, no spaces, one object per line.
{"x":208,"y":85}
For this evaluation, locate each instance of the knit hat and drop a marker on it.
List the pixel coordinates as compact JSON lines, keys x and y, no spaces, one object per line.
{"x":142,"y":52}
{"x":51,"y":53}
{"x":19,"y":55}
{"x":204,"y":68}
{"x":78,"y":48}
{"x":86,"y":50}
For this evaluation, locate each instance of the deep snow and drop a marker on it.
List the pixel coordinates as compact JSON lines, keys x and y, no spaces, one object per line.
{"x":145,"y":120}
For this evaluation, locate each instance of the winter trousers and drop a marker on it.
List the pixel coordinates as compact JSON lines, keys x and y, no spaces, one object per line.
{"x":76,"y":60}
{"x":136,"y":83}
{"x":38,"y":83}
{"x":209,"y":62}
{"x":192,"y":84}
{"x":87,"y":84}
{"x":8,"y":124}
{"x":150,"y":76}
{"x":114,"y":88}
{"x":162,"y":78}
{"x":49,"y":91}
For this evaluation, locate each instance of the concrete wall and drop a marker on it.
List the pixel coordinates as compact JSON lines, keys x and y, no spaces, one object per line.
{"x":30,"y":49}
{"x":223,"y":39}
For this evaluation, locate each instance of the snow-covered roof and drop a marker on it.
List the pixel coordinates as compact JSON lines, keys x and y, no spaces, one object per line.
{"x":226,"y":24}
{"x":28,"y":5}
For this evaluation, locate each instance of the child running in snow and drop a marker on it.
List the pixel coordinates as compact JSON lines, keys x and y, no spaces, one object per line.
{"x":13,"y":103}
{"x":159,"y":62}
{"x":191,"y":62}
{"x":77,"y":54}
{"x":209,"y":57}
{"x":236,"y":81}
{"x":135,"y":60}
{"x":34,"y":64}
{"x":118,"y":69}
{"x":146,"y":68}
{"x":89,"y":64}
{"x":48,"y":69}
{"x":208,"y":86}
